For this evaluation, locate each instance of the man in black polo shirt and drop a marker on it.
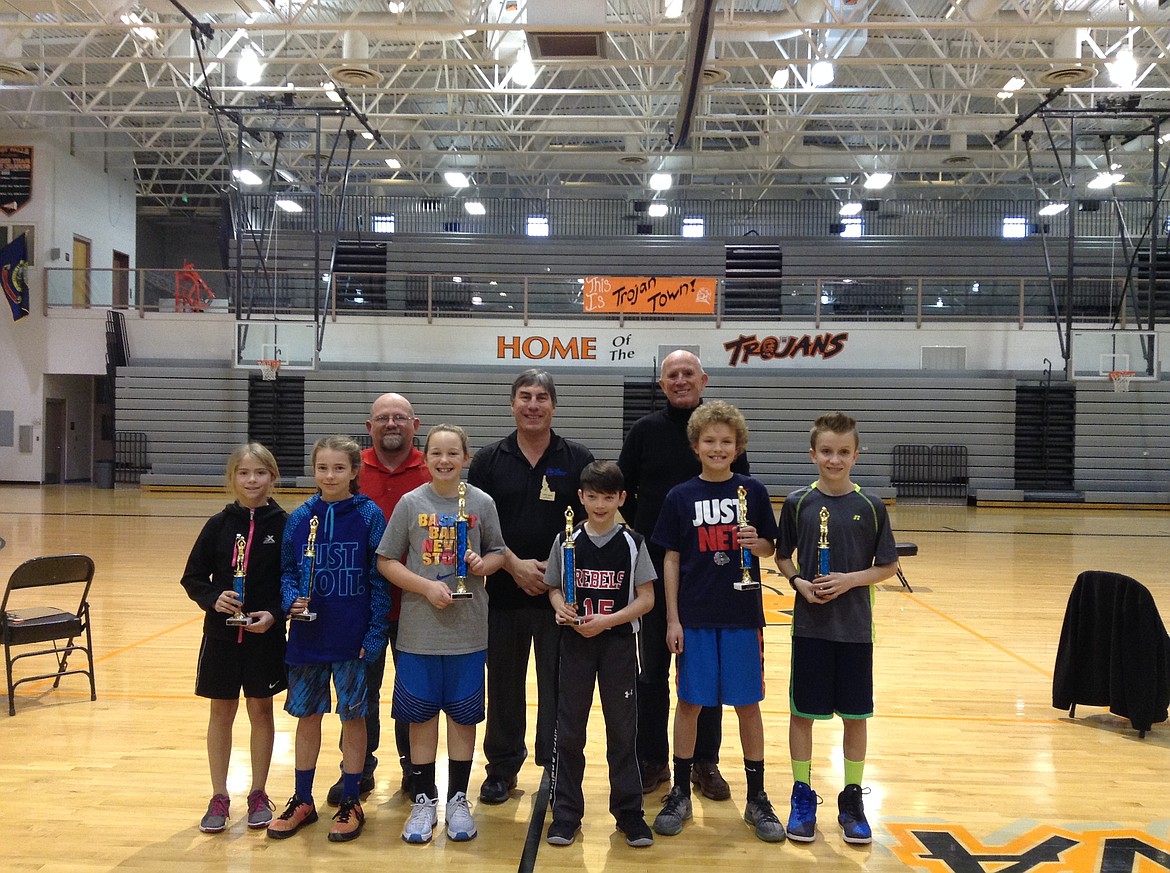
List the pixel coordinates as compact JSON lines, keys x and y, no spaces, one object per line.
{"x":532,"y":475}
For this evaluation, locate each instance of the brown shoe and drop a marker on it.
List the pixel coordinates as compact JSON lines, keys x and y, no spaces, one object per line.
{"x":654,"y":775}
{"x":706,"y":777}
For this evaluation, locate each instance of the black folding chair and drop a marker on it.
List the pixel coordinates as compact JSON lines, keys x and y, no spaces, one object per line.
{"x":30,"y":624}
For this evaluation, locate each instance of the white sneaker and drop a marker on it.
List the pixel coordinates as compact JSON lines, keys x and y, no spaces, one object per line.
{"x":460,"y":824}
{"x":423,"y":818}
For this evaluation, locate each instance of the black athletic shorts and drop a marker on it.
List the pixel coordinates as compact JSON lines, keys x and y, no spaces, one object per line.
{"x":255,"y":665}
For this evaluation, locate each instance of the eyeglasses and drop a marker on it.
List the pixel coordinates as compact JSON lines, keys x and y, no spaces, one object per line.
{"x":397,"y":419}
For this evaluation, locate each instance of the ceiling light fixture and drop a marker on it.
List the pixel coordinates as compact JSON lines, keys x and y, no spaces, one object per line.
{"x":1106,"y":180}
{"x":1011,"y":86}
{"x":331,"y":92}
{"x":474,"y":207}
{"x":456,"y":179}
{"x":289,"y":205}
{"x":139,"y":29}
{"x":246,"y":177}
{"x":1053,"y":209}
{"x":1123,"y":70}
{"x":394,"y":163}
{"x":523,"y":71}
{"x":249,"y":69}
{"x":780,"y":78}
{"x":877,"y":181}
{"x":656,"y":210}
{"x":672,"y":9}
{"x":822,"y":73}
{"x":850,"y":208}
{"x":661,"y":181}
{"x":396,"y":7}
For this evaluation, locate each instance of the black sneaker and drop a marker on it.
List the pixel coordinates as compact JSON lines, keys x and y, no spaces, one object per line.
{"x":851,"y":815}
{"x":496,"y":790}
{"x":675,"y":810}
{"x":638,"y":833}
{"x":338,"y":788}
{"x":561,"y":833}
{"x":760,"y":815}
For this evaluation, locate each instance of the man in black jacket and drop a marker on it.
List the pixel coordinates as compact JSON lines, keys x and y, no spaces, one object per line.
{"x":657,"y":456}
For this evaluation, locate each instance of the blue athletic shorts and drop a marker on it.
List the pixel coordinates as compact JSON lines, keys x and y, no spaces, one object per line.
{"x":308,"y":689}
{"x":829,"y":677}
{"x":424,"y":685}
{"x":721,"y":666}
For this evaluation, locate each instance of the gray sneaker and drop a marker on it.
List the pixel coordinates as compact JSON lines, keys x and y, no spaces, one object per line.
{"x":260,"y":809}
{"x":675,"y":811}
{"x":216,"y":818}
{"x":460,"y":824}
{"x":423,"y":818}
{"x":763,"y":818}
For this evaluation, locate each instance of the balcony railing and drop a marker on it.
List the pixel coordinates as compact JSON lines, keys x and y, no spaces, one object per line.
{"x":910,"y":299}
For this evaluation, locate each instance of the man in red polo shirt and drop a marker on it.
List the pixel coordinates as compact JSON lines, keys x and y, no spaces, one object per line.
{"x":391,"y":467}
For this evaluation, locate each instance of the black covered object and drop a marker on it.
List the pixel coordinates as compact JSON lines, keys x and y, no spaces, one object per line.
{"x":1113,"y":650}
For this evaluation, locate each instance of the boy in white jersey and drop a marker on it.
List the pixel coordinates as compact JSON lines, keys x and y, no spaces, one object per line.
{"x":844,"y":546}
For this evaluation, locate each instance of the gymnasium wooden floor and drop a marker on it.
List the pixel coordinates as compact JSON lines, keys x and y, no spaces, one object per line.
{"x":971,"y":769}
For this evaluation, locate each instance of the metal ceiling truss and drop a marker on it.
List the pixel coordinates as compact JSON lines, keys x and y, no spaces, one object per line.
{"x":916,"y":92}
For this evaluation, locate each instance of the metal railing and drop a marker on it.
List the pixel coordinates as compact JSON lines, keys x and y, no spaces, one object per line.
{"x":913,"y":299}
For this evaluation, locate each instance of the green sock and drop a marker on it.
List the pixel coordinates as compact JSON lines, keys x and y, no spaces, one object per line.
{"x":802,"y":771}
{"x":854,"y":771}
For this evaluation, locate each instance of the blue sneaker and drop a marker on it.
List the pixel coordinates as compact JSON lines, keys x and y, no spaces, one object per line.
{"x":851,"y":815}
{"x":802,"y":822}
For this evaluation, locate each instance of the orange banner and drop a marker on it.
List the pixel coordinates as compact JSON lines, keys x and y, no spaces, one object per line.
{"x":659,"y":295}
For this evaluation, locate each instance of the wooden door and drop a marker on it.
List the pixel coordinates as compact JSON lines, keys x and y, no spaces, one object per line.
{"x":120,"y":279}
{"x":81,"y":261}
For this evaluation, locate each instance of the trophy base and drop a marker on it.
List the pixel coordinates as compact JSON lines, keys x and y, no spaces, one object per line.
{"x":462,"y":595}
{"x":239,"y":620}
{"x":750,"y":585}
{"x":304,"y":616}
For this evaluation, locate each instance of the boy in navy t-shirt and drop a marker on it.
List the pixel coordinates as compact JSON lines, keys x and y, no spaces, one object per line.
{"x":713,"y":627}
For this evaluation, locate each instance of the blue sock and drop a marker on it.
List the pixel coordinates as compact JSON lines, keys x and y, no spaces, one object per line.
{"x":351,"y":785}
{"x":304,"y":784}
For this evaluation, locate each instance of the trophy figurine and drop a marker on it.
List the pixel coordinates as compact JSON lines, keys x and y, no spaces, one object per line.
{"x":307,"y":573}
{"x":746,"y":582}
{"x":569,"y":559}
{"x":461,"y":592}
{"x":823,"y":543}
{"x":240,"y":619}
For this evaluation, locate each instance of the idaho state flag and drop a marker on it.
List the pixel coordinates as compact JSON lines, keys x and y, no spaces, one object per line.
{"x":13,"y":269}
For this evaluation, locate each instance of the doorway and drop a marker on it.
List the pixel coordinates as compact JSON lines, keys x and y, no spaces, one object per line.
{"x":54,"y":441}
{"x":81,"y":261}
{"x":120,"y":279}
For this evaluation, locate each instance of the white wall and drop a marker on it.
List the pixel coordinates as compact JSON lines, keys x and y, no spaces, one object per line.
{"x":71,"y":196}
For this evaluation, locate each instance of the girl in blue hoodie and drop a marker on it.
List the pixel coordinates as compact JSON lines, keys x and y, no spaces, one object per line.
{"x":341,"y":586}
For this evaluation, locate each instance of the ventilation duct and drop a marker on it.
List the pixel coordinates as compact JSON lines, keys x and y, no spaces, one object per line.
{"x":557,"y":29}
{"x":355,"y":69}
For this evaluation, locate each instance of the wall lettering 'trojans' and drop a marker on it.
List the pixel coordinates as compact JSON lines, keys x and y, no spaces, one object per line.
{"x":824,"y":346}
{"x":539,"y":348}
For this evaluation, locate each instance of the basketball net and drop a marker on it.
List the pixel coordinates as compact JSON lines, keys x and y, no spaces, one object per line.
{"x":1121,"y":380}
{"x":269,"y":369}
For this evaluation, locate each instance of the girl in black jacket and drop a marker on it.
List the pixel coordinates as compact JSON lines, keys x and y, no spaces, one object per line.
{"x":234,"y":657}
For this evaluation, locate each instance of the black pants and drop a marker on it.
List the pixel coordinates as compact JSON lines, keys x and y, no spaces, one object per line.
{"x":511,"y":634}
{"x":654,"y":693}
{"x":608,"y":661}
{"x":375,"y":671}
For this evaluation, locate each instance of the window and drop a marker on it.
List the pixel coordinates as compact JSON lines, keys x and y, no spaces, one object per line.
{"x":538,"y":225}
{"x":853,"y":227}
{"x":382,"y":223}
{"x":694,"y":227}
{"x":1015,"y":227}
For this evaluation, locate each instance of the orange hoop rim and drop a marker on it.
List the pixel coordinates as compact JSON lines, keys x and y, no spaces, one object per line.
{"x":1115,"y":375}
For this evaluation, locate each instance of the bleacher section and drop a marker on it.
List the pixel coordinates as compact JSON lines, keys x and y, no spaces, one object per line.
{"x":193,"y":418}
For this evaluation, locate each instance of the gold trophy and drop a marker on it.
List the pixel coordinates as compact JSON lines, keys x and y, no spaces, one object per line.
{"x":461,"y":591}
{"x":240,"y":619}
{"x":308,"y":572}
{"x":823,"y":543}
{"x":569,"y":560}
{"x":746,"y":582}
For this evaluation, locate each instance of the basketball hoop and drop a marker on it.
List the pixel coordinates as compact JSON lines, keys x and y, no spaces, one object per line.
{"x":269,"y":369}
{"x":1121,"y":380}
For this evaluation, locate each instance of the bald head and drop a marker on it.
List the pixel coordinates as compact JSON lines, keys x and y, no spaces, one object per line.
{"x":683,"y":379}
{"x":392,"y":426}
